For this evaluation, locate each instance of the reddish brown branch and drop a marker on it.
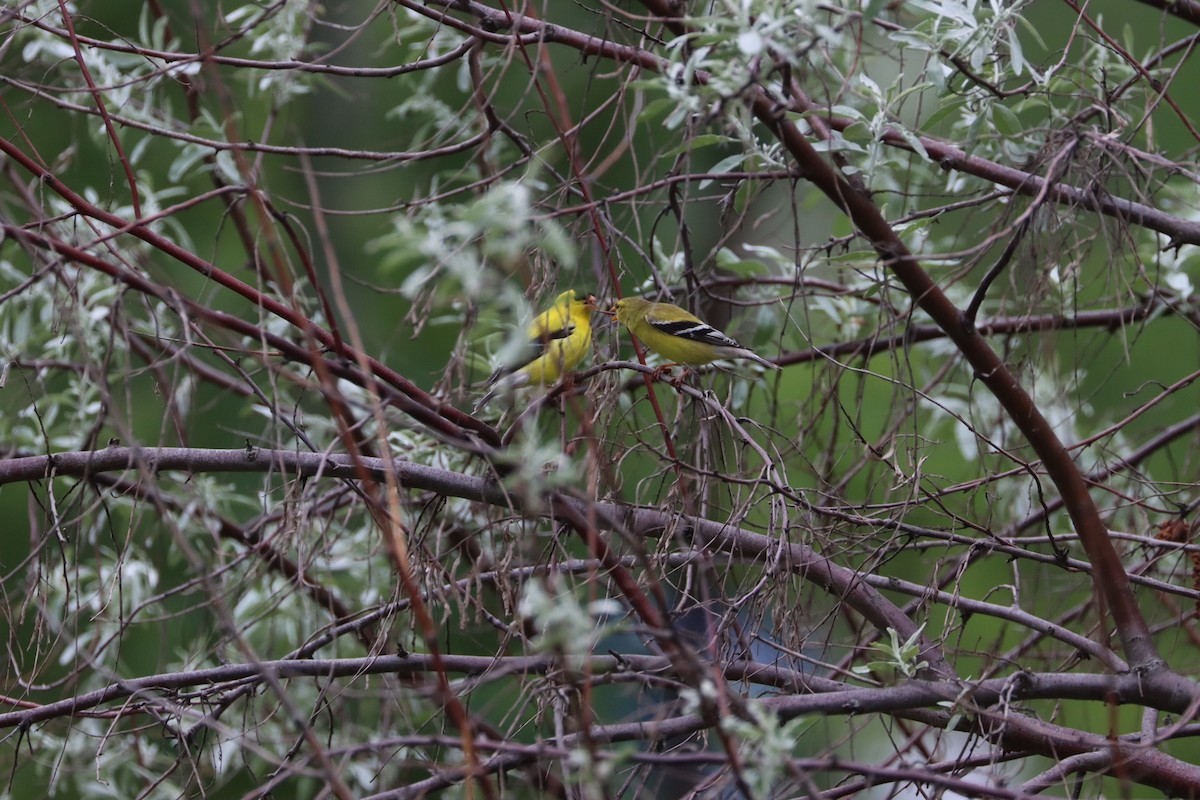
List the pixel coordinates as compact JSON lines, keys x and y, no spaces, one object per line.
{"x":947,"y":155}
{"x":439,"y":416}
{"x":1111,"y":581}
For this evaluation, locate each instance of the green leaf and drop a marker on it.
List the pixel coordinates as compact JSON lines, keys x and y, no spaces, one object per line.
{"x":745,"y":192}
{"x":914,"y":142}
{"x":1006,"y":122}
{"x":950,"y":106}
{"x":696,"y":142}
{"x":724,"y":165}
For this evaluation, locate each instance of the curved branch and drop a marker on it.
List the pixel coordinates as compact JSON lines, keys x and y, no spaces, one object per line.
{"x":1163,"y":689}
{"x":1110,"y":579}
{"x":442,"y":418}
{"x":947,"y":155}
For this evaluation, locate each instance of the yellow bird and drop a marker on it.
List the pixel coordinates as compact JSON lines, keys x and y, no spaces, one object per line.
{"x":559,"y":338}
{"x":678,"y":335}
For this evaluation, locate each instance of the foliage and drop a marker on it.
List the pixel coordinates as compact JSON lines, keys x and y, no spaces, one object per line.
{"x":257,"y":262}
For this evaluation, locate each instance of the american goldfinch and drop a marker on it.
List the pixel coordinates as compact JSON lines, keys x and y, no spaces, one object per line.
{"x":679,"y":336}
{"x":559,"y":338}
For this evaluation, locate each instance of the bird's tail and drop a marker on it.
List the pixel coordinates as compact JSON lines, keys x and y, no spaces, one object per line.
{"x":750,"y":354}
{"x":483,"y":401}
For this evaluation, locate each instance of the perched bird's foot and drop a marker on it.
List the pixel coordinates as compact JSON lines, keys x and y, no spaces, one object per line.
{"x":663,"y":369}
{"x":681,"y":378}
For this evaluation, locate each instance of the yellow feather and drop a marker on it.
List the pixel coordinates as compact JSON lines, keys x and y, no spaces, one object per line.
{"x":679,"y":336}
{"x":559,"y":338}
